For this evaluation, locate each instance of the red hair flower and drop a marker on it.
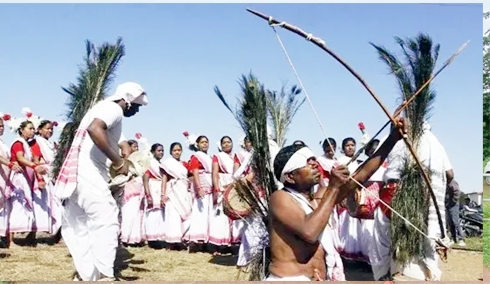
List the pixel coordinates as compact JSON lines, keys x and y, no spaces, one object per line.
{"x":6,"y":117}
{"x":138,"y":135}
{"x":186,"y":134}
{"x":29,"y":114}
{"x":361,"y":126}
{"x":54,"y":123}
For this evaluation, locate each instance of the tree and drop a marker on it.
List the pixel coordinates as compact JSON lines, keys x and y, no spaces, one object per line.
{"x":486,"y":93}
{"x":282,"y":107}
{"x":412,"y":199}
{"x":94,"y":79}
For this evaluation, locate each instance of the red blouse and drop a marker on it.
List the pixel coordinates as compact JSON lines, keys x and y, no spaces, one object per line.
{"x":215,"y":160}
{"x":195,"y":164}
{"x":148,"y":172}
{"x":16,"y":148}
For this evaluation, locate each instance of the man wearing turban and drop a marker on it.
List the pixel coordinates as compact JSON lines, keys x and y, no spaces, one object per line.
{"x":298,"y":220}
{"x":90,"y":226}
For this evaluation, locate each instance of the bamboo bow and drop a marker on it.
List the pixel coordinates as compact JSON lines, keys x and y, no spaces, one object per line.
{"x":321,"y":44}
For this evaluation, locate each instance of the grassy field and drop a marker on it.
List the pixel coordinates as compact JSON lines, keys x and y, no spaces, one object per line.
{"x":53,"y":263}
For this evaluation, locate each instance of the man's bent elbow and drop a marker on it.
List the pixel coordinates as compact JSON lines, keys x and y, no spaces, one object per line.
{"x":310,"y":236}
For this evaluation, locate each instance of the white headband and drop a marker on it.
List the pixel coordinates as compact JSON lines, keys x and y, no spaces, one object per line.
{"x":298,"y":160}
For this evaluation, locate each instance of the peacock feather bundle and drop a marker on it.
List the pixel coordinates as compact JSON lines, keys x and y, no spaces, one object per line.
{"x":412,"y":197}
{"x":252,"y":114}
{"x":94,"y":79}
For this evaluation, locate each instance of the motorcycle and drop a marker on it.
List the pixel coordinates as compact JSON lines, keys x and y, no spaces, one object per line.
{"x":471,"y":220}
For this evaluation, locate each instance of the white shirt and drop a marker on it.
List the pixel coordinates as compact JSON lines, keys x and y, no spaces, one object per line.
{"x":91,"y":159}
{"x":432,"y":155}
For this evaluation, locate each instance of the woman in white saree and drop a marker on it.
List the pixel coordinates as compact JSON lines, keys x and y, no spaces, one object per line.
{"x":155,"y":211}
{"x":222,"y":175}
{"x":22,"y":215}
{"x":349,"y":228}
{"x":133,"y":208}
{"x":200,"y":165}
{"x":6,"y":166}
{"x":177,"y":197}
{"x":48,"y":152}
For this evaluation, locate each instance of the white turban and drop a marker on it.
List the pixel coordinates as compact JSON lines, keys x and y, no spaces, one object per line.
{"x":297,"y":161}
{"x":131,"y":93}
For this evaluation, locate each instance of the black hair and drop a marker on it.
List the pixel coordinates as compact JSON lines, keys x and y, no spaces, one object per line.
{"x":23,"y":125}
{"x":195,"y":148}
{"x":224,"y":137}
{"x":155,"y":146}
{"x":326,"y":143}
{"x":132,"y":142}
{"x":173,"y":145}
{"x":347,"y":140}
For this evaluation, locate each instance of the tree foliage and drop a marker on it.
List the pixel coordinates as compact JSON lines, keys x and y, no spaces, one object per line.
{"x":94,"y":79}
{"x":486,"y":92}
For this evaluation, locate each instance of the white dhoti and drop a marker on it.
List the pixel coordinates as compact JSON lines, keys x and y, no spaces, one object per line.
{"x":90,"y":228}
{"x":381,"y":258}
{"x":56,"y":210}
{"x":367,"y":228}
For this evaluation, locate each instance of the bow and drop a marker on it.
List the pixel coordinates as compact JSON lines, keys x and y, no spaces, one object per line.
{"x":321,"y":44}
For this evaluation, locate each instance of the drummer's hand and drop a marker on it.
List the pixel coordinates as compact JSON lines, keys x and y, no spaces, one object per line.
{"x":121,"y":167}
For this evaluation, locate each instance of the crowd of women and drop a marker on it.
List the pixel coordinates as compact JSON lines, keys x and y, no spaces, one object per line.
{"x":176,"y":204}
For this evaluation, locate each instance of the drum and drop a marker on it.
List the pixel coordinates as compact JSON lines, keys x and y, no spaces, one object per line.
{"x":233,"y":205}
{"x":362,"y":204}
{"x":138,"y":164}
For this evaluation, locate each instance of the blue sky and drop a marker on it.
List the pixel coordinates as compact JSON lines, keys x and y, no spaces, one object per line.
{"x":179,"y":52}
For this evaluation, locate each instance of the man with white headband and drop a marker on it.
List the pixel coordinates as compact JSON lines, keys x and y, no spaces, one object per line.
{"x":298,"y":221}
{"x":90,"y":225}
